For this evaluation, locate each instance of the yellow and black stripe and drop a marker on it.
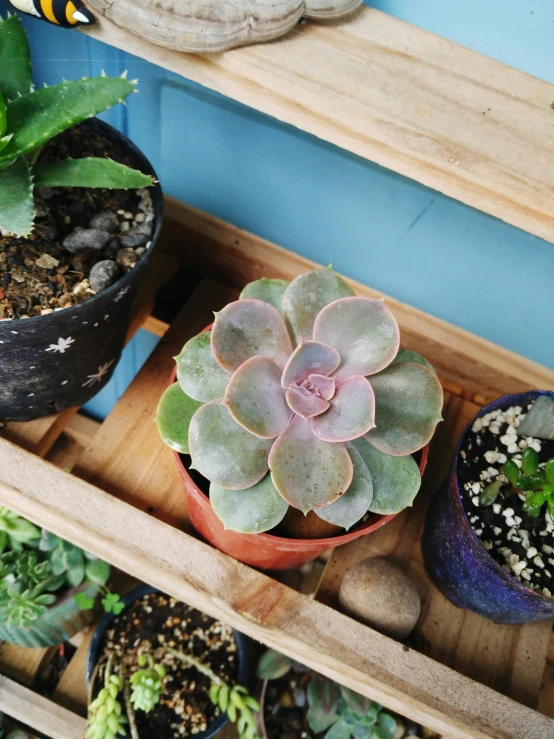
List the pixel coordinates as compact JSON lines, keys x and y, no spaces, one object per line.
{"x":64,"y":13}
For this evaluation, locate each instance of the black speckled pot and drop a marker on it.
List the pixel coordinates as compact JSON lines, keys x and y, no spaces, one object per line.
{"x":93,"y":655}
{"x":62,"y":359}
{"x":458,"y":563}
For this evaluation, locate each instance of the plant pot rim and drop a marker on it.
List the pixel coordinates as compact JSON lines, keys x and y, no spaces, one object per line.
{"x":375,"y":521}
{"x":157,"y":197}
{"x":243,"y":652}
{"x":508,"y":578}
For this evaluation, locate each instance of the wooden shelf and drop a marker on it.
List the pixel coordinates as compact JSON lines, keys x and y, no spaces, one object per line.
{"x":436,"y":112}
{"x":459,"y":674}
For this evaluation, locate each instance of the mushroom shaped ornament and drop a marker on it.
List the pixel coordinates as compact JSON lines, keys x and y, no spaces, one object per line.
{"x":299,"y":396}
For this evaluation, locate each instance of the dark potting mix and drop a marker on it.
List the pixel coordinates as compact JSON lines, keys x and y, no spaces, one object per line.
{"x":155,"y":621}
{"x":83,"y":241}
{"x":522,"y":544}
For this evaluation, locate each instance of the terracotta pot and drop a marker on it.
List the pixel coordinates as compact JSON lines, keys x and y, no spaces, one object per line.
{"x":459,"y":564}
{"x":265,"y":551}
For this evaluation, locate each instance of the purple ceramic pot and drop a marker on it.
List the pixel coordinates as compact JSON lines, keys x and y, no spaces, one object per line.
{"x":458,"y":563}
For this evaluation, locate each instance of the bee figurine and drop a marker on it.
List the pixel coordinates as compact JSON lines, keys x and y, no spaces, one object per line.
{"x":66,"y":13}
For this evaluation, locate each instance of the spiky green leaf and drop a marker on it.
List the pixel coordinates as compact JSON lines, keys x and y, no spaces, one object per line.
{"x":39,"y":116}
{"x":15,"y":60}
{"x":17,"y":208}
{"x":90,"y":172}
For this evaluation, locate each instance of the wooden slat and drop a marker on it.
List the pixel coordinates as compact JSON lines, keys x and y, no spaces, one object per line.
{"x":71,"y":691}
{"x":322,"y":638}
{"x":22,"y":664}
{"x":509,"y":659}
{"x":126,"y":457}
{"x":73,"y":440}
{"x":546,"y":695}
{"x":39,"y":436}
{"x":39,"y":713}
{"x":415,"y":103}
{"x":465,"y":362}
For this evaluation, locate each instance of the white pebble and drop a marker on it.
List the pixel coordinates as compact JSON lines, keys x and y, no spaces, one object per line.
{"x":497,"y":531}
{"x":526,"y":574}
{"x":476,"y":488}
{"x":531,"y":552}
{"x":487,"y":544}
{"x":534,"y":444}
{"x":512,"y":449}
{"x":547,"y":549}
{"x":508,"y":512}
{"x":538,"y":562}
{"x":475,"y":500}
{"x":518,"y":567}
{"x":546,"y":591}
{"x":510,"y":521}
{"x":496,"y":508}
{"x":506,"y":440}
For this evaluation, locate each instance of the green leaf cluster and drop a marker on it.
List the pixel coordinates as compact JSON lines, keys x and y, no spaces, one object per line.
{"x":36,"y":564}
{"x":30,"y":118}
{"x":146,"y":684}
{"x":238,"y":704}
{"x":105,"y":713}
{"x":537,"y":484}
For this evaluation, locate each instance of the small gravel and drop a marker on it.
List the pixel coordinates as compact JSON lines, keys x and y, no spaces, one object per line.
{"x":88,"y":238}
{"x":103,"y":274}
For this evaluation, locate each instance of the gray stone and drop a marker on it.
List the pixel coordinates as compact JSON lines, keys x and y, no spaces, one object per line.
{"x":379,"y":593}
{"x":139,"y":236}
{"x":103,"y":274}
{"x":105,"y":221}
{"x":89,"y":238}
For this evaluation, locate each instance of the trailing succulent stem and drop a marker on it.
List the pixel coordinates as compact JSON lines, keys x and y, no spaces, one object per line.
{"x":144,"y":689}
{"x":35,"y":565}
{"x":299,"y":395}
{"x":535,"y":481}
{"x":29,"y":119}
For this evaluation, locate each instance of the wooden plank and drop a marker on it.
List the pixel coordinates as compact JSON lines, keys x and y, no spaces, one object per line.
{"x":465,"y":362}
{"x":22,"y":664}
{"x":509,"y":659}
{"x":71,"y":690}
{"x":73,"y":440}
{"x":546,"y":694}
{"x":328,"y":641}
{"x":127,"y":457}
{"x":39,"y":713}
{"x":39,"y":435}
{"x":459,"y":122}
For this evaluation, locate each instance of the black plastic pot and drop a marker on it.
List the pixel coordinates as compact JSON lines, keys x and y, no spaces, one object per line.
{"x":94,"y":650}
{"x":62,"y":359}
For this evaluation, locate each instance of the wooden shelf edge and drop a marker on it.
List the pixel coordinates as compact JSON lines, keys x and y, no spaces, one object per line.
{"x":420,"y":105}
{"x":364,"y":660}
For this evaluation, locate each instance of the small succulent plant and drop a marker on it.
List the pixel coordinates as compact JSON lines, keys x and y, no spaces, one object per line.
{"x":536,"y":482}
{"x":121,"y":696}
{"x":35,"y":565}
{"x":29,"y":118}
{"x":332,"y":708}
{"x":299,"y":395}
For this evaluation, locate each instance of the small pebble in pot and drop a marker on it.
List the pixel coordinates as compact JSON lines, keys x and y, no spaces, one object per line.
{"x":127,"y":258}
{"x":46,"y":261}
{"x":105,"y":221}
{"x":137,"y":237}
{"x":379,"y":593}
{"x":89,"y":238}
{"x":103,"y":274}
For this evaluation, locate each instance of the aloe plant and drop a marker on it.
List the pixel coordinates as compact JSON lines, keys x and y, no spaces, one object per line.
{"x":299,"y":396}
{"x":35,"y":565}
{"x":29,"y":118}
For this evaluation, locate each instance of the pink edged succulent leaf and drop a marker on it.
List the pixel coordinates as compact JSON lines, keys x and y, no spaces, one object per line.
{"x":248,"y":328}
{"x":363,"y":331}
{"x":225,"y":452}
{"x":252,"y":511}
{"x":324,"y":386}
{"x":198,"y":373}
{"x":351,"y":413}
{"x":270,"y":291}
{"x":307,"y":471}
{"x":305,"y":403}
{"x":175,"y":411}
{"x":408,"y":401}
{"x":256,"y":400}
{"x":306,"y":295}
{"x":408,"y":355}
{"x":309,"y":357}
{"x":354,"y":504}
{"x":396,"y":480}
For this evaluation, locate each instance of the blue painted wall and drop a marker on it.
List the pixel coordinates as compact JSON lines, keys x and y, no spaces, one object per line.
{"x":326,"y":204}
